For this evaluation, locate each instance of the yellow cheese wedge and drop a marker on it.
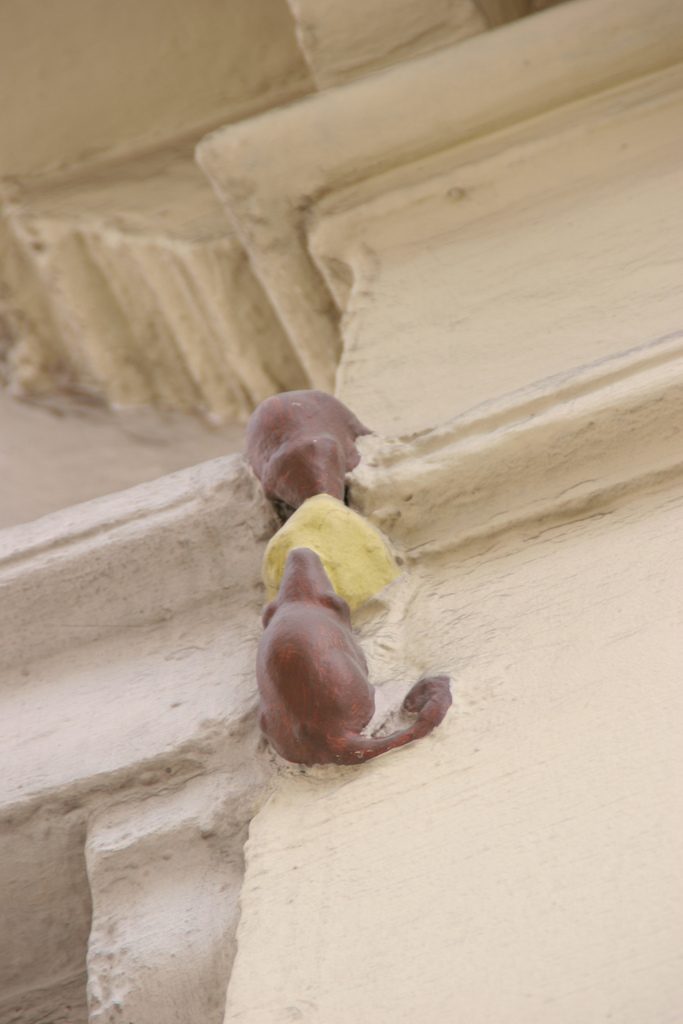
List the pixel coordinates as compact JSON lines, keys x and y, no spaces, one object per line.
{"x":355,"y":555}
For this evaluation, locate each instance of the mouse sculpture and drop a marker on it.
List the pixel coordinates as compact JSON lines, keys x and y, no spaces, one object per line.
{"x":313,"y":679}
{"x":302,"y":443}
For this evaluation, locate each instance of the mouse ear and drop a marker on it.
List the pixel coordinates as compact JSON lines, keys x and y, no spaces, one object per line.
{"x":337,"y":604}
{"x":268,"y":612}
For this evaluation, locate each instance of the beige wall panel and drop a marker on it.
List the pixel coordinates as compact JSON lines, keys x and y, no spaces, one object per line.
{"x":79,"y":77}
{"x":343,"y":41}
{"x":524,"y":863}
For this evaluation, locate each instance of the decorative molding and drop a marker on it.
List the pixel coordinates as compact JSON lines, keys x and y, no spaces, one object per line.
{"x":412,"y":203}
{"x":128,"y":643}
{"x":160,"y":547}
{"x":343,"y":41}
{"x":150,"y":297}
{"x":517,"y":257}
{"x":165,"y":876}
{"x":553,"y":450}
{"x":498,"y":12}
{"x":270,"y":171}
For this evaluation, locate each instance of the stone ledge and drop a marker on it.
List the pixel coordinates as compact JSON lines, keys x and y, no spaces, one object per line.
{"x":499,"y":78}
{"x":166,"y":876}
{"x":560,"y":446}
{"x":129,"y":635}
{"x":138,"y":556}
{"x":524,"y":166}
{"x":341,"y":42}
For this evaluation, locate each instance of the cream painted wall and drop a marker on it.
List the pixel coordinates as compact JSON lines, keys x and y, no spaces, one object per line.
{"x":279,"y":174}
{"x":511,"y":327}
{"x":80,"y":77}
{"x":514,"y":259}
{"x":524,"y":863}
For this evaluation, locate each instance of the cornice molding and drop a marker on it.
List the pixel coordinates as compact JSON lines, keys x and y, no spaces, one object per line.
{"x":270,"y":171}
{"x":135,"y":557}
{"x":560,"y":446}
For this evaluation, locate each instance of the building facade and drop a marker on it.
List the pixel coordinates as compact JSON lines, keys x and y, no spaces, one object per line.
{"x":463,"y":220}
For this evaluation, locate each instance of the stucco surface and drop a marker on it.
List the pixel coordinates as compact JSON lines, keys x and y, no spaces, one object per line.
{"x":150,"y":296}
{"x":128,"y":655}
{"x":519,"y":259}
{"x":341,"y":42}
{"x":524,"y":863}
{"x":96,"y":451}
{"x":511,"y":324}
{"x":487,"y":236}
{"x":95,"y":77}
{"x":272,"y":171}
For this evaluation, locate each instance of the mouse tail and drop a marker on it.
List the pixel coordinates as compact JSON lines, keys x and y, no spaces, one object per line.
{"x":430,"y":698}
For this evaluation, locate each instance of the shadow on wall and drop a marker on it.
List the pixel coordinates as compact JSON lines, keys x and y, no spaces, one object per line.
{"x":46,"y":914}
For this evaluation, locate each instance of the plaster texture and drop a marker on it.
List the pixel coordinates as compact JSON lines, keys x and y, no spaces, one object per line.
{"x":342,"y":42}
{"x":514,"y":258}
{"x":138,"y":678}
{"x":400,"y":117}
{"x":166,"y":874}
{"x":524,"y":863}
{"x":112,"y":77}
{"x":151,"y":299}
{"x":520,"y":864}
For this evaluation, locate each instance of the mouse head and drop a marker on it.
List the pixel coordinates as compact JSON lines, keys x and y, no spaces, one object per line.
{"x":304,"y":466}
{"x":305,"y":580}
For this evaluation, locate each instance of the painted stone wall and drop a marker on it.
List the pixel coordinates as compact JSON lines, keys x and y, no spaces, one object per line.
{"x":522,"y":863}
{"x":132,"y":750}
{"x":509,"y":323}
{"x":477,"y":249}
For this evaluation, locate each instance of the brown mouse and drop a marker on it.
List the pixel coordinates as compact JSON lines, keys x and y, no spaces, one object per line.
{"x":302,"y":443}
{"x":313,"y":677}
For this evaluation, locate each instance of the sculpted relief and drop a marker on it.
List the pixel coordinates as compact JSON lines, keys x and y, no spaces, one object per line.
{"x":312,"y":675}
{"x":302,"y":443}
{"x":313,"y":678}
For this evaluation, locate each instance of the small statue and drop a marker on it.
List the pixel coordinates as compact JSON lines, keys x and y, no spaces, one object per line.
{"x":313,"y":677}
{"x":302,"y":443}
